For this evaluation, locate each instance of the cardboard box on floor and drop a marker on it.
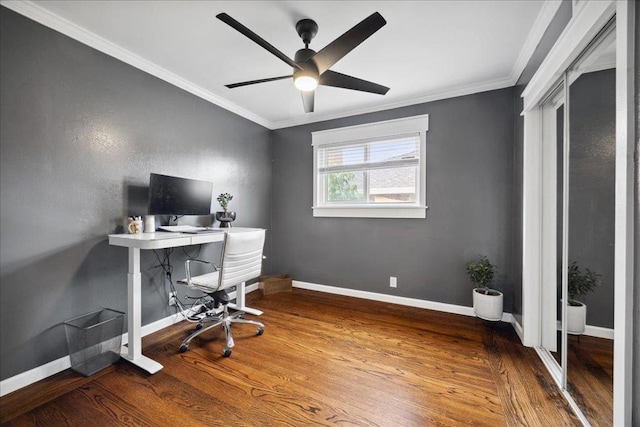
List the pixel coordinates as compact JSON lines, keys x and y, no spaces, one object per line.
{"x":275,"y":283}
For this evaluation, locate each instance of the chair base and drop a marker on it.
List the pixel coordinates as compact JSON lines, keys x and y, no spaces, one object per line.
{"x":225,"y":319}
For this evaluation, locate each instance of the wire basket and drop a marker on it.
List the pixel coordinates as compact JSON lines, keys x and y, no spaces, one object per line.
{"x":94,"y":340}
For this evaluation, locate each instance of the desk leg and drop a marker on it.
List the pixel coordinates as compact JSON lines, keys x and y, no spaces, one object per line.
{"x":240,"y":302}
{"x":133,"y":351}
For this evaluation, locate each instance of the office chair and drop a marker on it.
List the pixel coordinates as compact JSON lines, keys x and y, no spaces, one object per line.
{"x":241,"y":261}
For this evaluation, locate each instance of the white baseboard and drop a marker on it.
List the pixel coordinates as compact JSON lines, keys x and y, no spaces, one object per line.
{"x":518,"y":328}
{"x":393,"y":299}
{"x":34,"y":375}
{"x":41,"y":372}
{"x":594,"y":331}
{"x":598,"y":332}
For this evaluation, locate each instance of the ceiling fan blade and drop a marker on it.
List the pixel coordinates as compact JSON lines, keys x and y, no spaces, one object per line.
{"x":252,"y":82}
{"x":256,"y":38}
{"x":307,"y":100}
{"x":344,"y":44}
{"x":331,"y":78}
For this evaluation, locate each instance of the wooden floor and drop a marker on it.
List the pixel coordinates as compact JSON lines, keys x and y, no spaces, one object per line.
{"x":590,"y":377}
{"x":323,"y":360}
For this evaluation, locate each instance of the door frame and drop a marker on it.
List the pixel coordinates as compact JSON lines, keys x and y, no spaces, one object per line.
{"x":580,"y":31}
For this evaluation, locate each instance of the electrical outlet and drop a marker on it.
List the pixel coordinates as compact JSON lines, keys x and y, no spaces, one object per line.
{"x":172,"y":298}
{"x":393,"y":282}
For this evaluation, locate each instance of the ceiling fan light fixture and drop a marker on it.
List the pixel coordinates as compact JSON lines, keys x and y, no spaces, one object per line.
{"x":305,"y":81}
{"x":310,"y":66}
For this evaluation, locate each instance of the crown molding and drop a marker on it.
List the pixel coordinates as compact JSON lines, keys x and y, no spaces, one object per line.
{"x":428,"y":97}
{"x":578,"y":33}
{"x":545,"y":16}
{"x":81,"y":34}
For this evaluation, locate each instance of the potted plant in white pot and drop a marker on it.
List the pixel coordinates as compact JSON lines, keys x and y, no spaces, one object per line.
{"x":580,"y":283}
{"x":487,"y":302}
{"x":225,"y":217}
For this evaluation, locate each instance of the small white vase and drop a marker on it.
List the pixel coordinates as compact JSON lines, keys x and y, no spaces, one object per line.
{"x":487,"y":306}
{"x":576,"y":318}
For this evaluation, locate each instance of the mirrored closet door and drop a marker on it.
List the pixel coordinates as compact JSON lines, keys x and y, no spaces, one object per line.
{"x":591,"y":222}
{"x":553,"y":127}
{"x":578,"y":122}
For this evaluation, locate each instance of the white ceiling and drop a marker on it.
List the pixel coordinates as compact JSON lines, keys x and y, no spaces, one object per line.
{"x":428,"y":49}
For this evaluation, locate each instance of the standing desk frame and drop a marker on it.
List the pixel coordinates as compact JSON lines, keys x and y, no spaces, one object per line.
{"x":160,"y":240}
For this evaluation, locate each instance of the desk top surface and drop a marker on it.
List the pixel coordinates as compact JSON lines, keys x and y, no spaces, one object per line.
{"x":163,"y":239}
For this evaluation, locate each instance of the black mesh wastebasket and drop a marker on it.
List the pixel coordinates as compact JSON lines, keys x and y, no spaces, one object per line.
{"x":94,"y":340}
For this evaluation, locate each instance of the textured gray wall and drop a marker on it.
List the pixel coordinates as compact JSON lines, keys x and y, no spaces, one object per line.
{"x":592,"y":186}
{"x":80,"y":133}
{"x":636,"y":280}
{"x":557,"y":25}
{"x":469,"y":194}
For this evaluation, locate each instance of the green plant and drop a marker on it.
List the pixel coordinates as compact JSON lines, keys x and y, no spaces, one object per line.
{"x":224,"y":200}
{"x":342,"y":187}
{"x":581,"y":282}
{"x":481,"y":273}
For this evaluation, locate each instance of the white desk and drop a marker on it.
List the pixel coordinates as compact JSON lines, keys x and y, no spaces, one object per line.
{"x":160,"y":240}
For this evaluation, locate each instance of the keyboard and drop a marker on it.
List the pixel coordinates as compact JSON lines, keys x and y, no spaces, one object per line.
{"x":189,"y":229}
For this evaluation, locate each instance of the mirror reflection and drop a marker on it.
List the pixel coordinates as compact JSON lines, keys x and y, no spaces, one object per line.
{"x":556,"y":353}
{"x":591,"y":202}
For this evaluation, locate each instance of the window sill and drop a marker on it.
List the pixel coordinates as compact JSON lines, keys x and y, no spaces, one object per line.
{"x":393,"y":211}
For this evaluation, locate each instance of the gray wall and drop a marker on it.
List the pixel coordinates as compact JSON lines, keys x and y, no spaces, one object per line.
{"x":557,"y":25}
{"x":592,"y":186}
{"x":79,"y":134}
{"x":636,"y":280}
{"x":469,"y":194}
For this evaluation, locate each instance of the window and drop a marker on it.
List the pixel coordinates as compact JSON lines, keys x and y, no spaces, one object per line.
{"x":376,"y":170}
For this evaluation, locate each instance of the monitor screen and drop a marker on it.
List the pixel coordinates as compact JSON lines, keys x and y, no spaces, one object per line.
{"x":170,"y":195}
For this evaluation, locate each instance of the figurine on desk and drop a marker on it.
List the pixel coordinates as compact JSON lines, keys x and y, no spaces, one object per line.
{"x":134,"y":225}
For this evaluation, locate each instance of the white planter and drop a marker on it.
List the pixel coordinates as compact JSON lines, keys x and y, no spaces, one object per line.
{"x":487,"y":307}
{"x":576,"y":318}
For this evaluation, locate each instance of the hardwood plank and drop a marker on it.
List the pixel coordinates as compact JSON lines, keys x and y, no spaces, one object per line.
{"x":380,"y":376}
{"x":70,"y":409}
{"x":517,"y":369}
{"x":162,"y":396}
{"x":46,"y":390}
{"x":590,"y":377}
{"x":323,"y":360}
{"x":249,"y":386}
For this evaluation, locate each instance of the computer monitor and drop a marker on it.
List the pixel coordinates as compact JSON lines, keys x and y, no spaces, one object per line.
{"x":170,"y":195}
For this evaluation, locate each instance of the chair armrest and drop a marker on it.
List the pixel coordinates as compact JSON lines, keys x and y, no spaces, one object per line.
{"x":187,"y":268}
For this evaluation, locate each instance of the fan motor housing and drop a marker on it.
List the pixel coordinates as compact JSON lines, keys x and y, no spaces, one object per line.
{"x":302,"y":55}
{"x":303,"y":58}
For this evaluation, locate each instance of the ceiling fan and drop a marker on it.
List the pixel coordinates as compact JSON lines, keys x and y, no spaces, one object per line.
{"x":311,"y":68}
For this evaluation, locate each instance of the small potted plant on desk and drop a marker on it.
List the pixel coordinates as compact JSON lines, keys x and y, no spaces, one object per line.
{"x":225,"y":217}
{"x":487,"y":303}
{"x":580,"y":283}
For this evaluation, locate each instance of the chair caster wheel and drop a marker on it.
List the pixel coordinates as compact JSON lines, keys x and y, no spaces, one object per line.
{"x":226,"y":352}
{"x":184,"y":348}
{"x":198,"y":326}
{"x":260,"y":331}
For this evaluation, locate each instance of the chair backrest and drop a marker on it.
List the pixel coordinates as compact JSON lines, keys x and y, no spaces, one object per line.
{"x":241,"y":258}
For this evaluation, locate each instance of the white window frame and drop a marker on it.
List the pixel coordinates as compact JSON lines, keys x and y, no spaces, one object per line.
{"x":369,"y":131}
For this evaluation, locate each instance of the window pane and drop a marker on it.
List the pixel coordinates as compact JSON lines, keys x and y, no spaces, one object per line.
{"x":345,"y":186}
{"x":373,"y":170}
{"x":393,"y":185}
{"x":405,"y":148}
{"x":341,"y":156}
